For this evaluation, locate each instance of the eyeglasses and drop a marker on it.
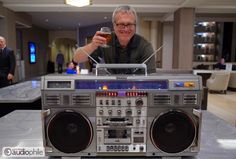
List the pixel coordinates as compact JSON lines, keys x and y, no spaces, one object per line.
{"x":123,"y":26}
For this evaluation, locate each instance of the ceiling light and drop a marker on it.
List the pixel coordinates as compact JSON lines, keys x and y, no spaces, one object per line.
{"x":78,"y":3}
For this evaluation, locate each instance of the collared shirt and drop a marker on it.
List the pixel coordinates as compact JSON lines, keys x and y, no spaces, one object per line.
{"x":137,"y":51}
{"x":1,"y":50}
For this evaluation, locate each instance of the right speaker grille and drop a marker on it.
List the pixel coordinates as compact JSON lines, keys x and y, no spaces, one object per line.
{"x":173,"y":132}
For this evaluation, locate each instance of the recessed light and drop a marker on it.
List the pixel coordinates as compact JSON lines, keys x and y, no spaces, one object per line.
{"x":78,"y":3}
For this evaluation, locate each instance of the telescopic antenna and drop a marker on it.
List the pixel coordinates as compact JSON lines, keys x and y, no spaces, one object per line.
{"x":156,"y":51}
{"x":85,"y":52}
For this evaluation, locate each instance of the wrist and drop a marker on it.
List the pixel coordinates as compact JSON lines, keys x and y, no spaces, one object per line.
{"x":93,"y":47}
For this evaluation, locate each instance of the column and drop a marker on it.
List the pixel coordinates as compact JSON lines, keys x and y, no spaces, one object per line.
{"x":154,"y":34}
{"x":183,"y":38}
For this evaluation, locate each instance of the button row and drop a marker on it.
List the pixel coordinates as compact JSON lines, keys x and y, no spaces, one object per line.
{"x":112,"y":102}
{"x":119,"y":112}
{"x":117,"y":148}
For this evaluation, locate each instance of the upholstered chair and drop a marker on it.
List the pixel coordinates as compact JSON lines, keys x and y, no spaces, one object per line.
{"x":218,"y":82}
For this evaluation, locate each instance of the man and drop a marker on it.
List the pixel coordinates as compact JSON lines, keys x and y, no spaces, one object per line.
{"x":7,"y":64}
{"x":60,"y":61}
{"x":220,"y":65}
{"x":125,"y":46}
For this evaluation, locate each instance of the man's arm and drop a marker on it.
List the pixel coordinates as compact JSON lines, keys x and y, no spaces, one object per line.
{"x":12,"y":60}
{"x":12,"y":66}
{"x":80,"y":56}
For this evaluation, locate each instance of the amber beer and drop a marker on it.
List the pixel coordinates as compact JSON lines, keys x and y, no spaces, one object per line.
{"x":106,"y":33}
{"x":107,"y":36}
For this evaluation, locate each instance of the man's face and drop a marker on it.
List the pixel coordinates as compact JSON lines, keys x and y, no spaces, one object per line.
{"x":124,"y":27}
{"x":2,"y":43}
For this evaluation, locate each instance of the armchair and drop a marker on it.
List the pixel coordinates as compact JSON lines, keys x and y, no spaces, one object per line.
{"x":218,"y":81}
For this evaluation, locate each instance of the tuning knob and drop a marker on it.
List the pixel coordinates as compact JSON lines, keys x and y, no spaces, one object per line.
{"x":118,"y":112}
{"x":139,"y":112}
{"x":100,"y":112}
{"x":128,"y":112}
{"x":129,"y":102}
{"x":109,"y":112}
{"x":139,"y":102}
{"x":138,"y":121}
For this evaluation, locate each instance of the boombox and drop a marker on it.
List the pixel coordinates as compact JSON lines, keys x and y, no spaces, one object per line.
{"x":156,"y":115}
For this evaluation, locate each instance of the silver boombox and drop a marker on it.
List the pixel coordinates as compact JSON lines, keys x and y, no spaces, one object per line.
{"x":155,"y":115}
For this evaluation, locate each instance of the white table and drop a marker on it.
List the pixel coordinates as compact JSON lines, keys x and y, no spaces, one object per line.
{"x":23,"y":128}
{"x":25,"y":92}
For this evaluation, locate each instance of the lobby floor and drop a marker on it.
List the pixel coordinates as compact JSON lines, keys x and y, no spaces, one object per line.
{"x":223,"y":106}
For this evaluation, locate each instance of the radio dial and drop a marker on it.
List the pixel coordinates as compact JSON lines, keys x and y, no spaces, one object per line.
{"x":100,"y":112}
{"x":139,"y":102}
{"x":128,"y":102}
{"x":119,"y":112}
{"x":129,"y":112}
{"x":110,"y":112}
{"x":141,"y":148}
{"x":139,"y":112}
{"x":138,"y":121}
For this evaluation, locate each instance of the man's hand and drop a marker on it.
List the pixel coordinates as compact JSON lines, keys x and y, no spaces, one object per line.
{"x":98,"y":40}
{"x":10,"y":76}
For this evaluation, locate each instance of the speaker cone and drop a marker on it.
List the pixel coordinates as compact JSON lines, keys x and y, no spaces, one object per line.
{"x":70,"y":132}
{"x":173,"y":132}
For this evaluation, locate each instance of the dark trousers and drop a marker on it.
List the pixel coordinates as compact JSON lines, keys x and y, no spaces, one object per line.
{"x":59,"y":68}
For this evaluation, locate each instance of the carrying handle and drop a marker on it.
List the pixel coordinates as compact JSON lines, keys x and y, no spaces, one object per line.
{"x":121,"y":66}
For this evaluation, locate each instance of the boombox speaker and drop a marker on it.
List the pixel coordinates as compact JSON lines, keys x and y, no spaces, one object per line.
{"x":173,"y":130}
{"x":69,"y":130}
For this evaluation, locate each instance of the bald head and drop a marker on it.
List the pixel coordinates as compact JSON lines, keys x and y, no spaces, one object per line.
{"x":2,"y":42}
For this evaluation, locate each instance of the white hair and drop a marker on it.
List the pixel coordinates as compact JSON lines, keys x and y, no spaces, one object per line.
{"x":127,"y":9}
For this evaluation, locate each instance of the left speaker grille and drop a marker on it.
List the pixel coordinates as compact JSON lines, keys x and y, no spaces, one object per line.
{"x":70,"y":132}
{"x":52,"y":100}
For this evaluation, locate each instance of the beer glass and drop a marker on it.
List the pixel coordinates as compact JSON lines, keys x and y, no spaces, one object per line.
{"x":106,"y":33}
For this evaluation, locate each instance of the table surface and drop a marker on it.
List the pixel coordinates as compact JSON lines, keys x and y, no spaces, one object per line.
{"x":25,"y":92}
{"x":23,"y":128}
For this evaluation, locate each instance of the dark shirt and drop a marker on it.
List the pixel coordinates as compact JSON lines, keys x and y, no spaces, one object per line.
{"x":137,"y":51}
{"x":220,"y":66}
{"x":7,"y":62}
